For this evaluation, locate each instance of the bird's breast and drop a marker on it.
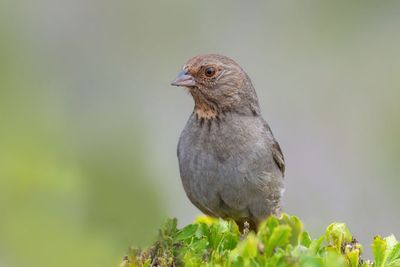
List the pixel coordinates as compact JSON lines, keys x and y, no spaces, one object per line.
{"x":224,"y":165}
{"x":230,"y":143}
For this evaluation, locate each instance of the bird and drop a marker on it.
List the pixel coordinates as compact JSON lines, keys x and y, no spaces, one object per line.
{"x":230,"y":163}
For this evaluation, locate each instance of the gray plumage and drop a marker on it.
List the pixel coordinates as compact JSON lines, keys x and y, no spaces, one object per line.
{"x":231,"y":166}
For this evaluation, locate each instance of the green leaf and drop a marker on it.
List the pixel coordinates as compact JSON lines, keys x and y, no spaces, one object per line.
{"x":305,"y":239}
{"x":268,"y":226}
{"x":353,"y":257}
{"x":310,"y":261}
{"x":203,"y":230}
{"x":247,"y":249}
{"x":168,"y":228}
{"x":296,"y":225}
{"x":394,"y":263}
{"x":187,"y":232}
{"x":279,"y":238}
{"x":200,"y":245}
{"x":298,"y":251}
{"x":394,"y":254}
{"x":230,"y":241}
{"x":237,"y":261}
{"x":379,"y":250}
{"x":279,"y":258}
{"x":337,"y":234}
{"x":390,"y":241}
{"x":316,"y":244}
{"x":147,"y":263}
{"x":333,"y":259}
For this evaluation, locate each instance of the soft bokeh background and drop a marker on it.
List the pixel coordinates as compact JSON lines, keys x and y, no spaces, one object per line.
{"x":89,"y":123}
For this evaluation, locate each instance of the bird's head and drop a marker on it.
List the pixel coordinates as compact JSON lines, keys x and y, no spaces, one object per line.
{"x":218,"y":84}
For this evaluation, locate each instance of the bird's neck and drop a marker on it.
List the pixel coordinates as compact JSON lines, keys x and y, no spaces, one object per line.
{"x":206,"y":114}
{"x":207,"y":109}
{"x":204,"y":108}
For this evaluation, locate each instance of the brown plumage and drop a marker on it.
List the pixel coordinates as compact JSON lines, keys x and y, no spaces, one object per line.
{"x":230,"y":163}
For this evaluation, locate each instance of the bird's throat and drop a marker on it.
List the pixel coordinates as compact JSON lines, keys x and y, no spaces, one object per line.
{"x":204,"y":108}
{"x":206,"y":114}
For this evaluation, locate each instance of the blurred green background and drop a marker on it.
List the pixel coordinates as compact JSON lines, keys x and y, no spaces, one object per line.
{"x":89,"y":123}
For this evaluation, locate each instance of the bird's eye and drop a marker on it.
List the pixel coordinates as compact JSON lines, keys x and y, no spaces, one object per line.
{"x":210,"y":71}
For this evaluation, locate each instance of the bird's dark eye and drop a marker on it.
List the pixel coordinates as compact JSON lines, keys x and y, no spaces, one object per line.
{"x":210,"y":71}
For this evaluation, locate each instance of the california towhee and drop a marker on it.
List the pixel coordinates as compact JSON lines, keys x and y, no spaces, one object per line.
{"x":230,"y":163}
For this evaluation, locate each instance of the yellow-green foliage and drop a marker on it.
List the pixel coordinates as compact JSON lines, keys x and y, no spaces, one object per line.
{"x":279,"y":242}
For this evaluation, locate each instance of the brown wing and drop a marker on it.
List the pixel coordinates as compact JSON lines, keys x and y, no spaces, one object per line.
{"x":276,"y":151}
{"x":278,"y":156}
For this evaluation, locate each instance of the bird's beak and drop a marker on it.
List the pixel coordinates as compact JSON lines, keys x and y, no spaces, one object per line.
{"x":184,"y":79}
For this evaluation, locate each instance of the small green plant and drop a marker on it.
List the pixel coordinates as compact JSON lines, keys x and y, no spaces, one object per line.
{"x":279,"y":242}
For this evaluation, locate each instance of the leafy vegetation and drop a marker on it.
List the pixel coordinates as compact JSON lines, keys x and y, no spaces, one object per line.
{"x":278,"y":242}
